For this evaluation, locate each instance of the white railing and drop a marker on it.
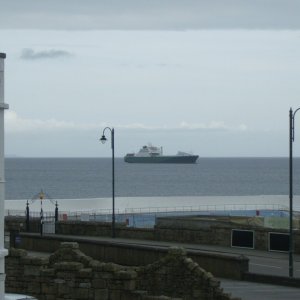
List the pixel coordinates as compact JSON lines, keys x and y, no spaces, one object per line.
{"x":145,"y":216}
{"x":143,"y":210}
{"x":207,"y":207}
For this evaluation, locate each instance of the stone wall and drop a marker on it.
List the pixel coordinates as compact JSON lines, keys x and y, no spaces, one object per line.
{"x":103,"y":229}
{"x":70,"y":274}
{"x":178,"y":229}
{"x":216,"y":230}
{"x":176,"y":275}
{"x":175,"y":229}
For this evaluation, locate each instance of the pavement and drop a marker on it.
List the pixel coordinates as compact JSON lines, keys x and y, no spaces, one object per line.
{"x":261,"y":262}
{"x":252,"y":290}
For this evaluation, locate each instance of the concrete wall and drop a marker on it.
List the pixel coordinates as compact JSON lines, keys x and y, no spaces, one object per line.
{"x":70,"y":274}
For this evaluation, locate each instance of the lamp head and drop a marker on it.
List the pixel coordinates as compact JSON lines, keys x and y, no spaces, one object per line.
{"x":103,"y":139}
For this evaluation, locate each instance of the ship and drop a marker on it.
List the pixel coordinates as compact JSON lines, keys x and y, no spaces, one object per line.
{"x":152,"y":154}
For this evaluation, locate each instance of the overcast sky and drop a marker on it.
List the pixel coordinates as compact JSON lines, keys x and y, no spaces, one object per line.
{"x":216,"y":78}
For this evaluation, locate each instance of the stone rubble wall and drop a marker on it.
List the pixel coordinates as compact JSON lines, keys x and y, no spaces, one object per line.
{"x":70,"y":274}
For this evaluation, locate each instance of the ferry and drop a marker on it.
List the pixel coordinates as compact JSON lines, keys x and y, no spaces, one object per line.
{"x":153,"y":154}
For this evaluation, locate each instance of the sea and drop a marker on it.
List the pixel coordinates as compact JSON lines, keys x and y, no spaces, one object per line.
{"x":144,"y":185}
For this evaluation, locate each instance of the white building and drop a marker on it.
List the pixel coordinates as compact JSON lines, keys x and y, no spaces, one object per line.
{"x":3,"y":252}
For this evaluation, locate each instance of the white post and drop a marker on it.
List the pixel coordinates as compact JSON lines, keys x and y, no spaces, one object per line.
{"x":3,"y":252}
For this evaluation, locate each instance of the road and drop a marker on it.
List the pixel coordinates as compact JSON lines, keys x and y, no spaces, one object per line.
{"x":252,"y":290}
{"x":274,"y":265}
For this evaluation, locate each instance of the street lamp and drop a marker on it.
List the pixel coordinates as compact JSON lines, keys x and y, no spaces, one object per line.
{"x":291,"y":242}
{"x":103,"y":140}
{"x":41,"y":197}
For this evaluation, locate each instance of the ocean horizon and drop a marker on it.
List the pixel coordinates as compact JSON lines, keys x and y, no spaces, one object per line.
{"x":63,"y":179}
{"x":73,"y":178}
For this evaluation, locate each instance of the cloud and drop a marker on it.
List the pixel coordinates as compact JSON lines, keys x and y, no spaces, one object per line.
{"x":30,"y":54}
{"x":154,"y":14}
{"x":15,"y":123}
{"x":214,"y":125}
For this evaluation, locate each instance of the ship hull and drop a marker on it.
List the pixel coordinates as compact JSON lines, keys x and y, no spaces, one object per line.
{"x":165,"y":159}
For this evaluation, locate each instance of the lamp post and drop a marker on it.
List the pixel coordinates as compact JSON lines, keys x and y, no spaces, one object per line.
{"x":291,"y":242}
{"x":27,"y":217}
{"x":103,"y":140}
{"x":41,"y":197}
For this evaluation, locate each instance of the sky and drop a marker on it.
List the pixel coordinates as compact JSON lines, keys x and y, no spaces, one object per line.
{"x":214,"y":78}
